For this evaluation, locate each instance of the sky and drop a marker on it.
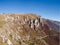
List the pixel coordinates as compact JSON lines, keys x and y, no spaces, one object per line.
{"x":49,"y":9}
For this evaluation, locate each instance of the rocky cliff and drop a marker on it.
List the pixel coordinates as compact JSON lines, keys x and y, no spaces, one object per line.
{"x":27,"y":29}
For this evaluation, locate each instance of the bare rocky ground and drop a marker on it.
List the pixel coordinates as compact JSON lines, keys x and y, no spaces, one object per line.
{"x":27,"y":29}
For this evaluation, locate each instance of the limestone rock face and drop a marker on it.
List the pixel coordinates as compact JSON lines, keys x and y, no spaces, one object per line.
{"x":26,"y":29}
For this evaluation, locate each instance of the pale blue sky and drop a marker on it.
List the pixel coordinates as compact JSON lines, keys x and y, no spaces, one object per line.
{"x":46,"y":8}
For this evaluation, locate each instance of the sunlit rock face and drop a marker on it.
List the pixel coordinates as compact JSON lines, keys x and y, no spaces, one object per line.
{"x":26,"y":29}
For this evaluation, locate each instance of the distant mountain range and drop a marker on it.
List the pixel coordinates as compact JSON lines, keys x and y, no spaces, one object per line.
{"x":53,"y":24}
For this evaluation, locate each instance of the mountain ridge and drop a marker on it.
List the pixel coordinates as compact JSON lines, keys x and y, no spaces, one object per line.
{"x":27,"y":29}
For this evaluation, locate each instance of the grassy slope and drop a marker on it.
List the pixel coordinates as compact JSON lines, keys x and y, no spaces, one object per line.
{"x":35,"y":36}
